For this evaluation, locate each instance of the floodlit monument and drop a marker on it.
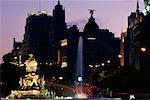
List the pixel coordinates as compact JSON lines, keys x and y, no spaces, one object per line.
{"x":31,"y":84}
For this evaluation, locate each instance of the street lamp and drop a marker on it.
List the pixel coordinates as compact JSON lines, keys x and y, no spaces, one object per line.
{"x":119,"y":56}
{"x":90,"y":66}
{"x":60,"y":78}
{"x":15,"y":57}
{"x":108,"y":61}
{"x":103,"y":64}
{"x":143,"y":49}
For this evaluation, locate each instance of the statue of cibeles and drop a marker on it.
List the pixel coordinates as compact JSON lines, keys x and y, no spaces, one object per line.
{"x":31,"y":64}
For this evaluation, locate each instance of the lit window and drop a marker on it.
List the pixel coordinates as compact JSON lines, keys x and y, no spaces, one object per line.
{"x":63,"y":64}
{"x":91,"y":38}
{"x":59,"y":56}
{"x":123,"y":40}
{"x":64,"y":42}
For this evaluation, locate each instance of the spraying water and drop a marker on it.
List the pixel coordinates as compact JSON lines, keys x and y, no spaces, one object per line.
{"x":79,"y":73}
{"x":80,"y":59}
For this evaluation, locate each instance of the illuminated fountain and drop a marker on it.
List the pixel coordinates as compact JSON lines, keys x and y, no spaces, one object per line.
{"x":31,"y":84}
{"x":79,"y":74}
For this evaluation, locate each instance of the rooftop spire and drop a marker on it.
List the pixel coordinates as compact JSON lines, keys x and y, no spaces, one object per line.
{"x":58,"y":2}
{"x":137,"y":4}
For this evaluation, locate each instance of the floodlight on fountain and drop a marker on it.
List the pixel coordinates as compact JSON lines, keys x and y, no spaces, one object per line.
{"x":80,"y":79}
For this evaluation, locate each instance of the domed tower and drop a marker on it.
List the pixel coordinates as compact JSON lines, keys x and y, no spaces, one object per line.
{"x":91,"y":27}
{"x":90,"y":34}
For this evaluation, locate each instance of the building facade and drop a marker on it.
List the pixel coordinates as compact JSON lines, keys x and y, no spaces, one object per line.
{"x":138,"y":43}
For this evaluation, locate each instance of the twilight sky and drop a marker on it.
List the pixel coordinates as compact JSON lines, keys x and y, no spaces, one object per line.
{"x":110,"y":14}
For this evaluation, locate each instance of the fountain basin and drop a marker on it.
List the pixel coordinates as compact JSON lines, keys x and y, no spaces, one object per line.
{"x":81,"y":96}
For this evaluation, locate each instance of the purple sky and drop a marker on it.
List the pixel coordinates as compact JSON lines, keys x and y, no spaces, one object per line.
{"x":110,"y":14}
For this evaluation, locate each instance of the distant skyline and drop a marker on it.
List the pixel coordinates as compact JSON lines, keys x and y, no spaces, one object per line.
{"x":110,"y":14}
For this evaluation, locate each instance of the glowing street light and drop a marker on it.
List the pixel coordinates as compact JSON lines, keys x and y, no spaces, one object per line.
{"x":90,"y":66}
{"x":119,"y":56}
{"x":15,"y":57}
{"x":108,"y":61}
{"x":103,"y":64}
{"x":60,"y":78}
{"x":97,"y":65}
{"x":143,"y":49}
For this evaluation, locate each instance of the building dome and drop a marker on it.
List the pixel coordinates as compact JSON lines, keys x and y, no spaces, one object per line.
{"x":91,"y":26}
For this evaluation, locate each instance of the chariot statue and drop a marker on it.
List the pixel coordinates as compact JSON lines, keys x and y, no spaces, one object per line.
{"x":31,"y":84}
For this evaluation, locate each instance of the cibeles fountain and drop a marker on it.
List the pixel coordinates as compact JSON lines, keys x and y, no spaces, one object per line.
{"x":31,"y":84}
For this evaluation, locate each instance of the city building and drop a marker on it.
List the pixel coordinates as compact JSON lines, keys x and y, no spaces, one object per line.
{"x":36,"y":38}
{"x":52,"y":44}
{"x":100,"y":47}
{"x":59,"y":32}
{"x":138,"y":43}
